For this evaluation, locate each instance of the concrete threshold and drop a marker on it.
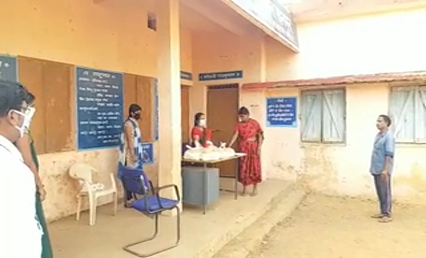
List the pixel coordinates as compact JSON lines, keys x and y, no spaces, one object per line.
{"x":252,"y":237}
{"x":246,"y":219}
{"x":225,"y":226}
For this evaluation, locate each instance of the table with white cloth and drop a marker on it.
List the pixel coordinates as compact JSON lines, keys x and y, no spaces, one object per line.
{"x":205,"y":181}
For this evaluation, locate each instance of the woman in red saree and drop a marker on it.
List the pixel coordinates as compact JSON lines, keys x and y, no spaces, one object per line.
{"x":200,"y":134}
{"x":250,"y":135}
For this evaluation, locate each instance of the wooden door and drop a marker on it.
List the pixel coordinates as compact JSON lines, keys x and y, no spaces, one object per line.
{"x":185,"y":113}
{"x":222,"y":118}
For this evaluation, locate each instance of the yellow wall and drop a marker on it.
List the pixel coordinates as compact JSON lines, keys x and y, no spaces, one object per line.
{"x":112,"y":35}
{"x":387,"y":42}
{"x":221,"y":52}
{"x":362,"y":45}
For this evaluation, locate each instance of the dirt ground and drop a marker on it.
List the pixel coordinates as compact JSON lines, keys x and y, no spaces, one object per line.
{"x":329,"y":227}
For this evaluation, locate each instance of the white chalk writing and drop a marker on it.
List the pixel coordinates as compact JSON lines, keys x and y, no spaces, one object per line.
{"x":281,"y":111}
{"x":100,"y":107}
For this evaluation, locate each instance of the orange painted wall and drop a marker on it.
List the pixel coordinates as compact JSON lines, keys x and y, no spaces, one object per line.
{"x":111,"y":35}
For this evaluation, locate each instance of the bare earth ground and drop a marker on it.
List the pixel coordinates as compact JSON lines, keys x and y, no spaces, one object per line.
{"x":331,"y":227}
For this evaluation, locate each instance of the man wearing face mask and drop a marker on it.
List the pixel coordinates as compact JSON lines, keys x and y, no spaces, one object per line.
{"x":20,"y":231}
{"x":28,"y":151}
{"x":131,"y":149}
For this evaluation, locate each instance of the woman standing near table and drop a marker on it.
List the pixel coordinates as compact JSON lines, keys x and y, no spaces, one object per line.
{"x":200,"y":134}
{"x":251,"y":137}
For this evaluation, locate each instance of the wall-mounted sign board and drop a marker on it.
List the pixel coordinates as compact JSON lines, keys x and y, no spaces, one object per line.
{"x":221,"y":76}
{"x":185,"y":75}
{"x":271,"y":16}
{"x":99,"y":108}
{"x":148,"y":153}
{"x":281,"y":112}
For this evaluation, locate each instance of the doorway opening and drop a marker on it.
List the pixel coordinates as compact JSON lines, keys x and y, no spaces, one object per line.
{"x":222,"y":119}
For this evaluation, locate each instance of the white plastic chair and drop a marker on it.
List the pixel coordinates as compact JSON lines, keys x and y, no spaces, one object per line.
{"x":83,"y":173}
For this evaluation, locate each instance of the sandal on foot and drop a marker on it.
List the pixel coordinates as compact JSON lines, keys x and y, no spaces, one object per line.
{"x":386,"y":219}
{"x":253,"y":194}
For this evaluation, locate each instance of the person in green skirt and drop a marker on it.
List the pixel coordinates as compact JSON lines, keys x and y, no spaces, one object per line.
{"x":27,"y":148}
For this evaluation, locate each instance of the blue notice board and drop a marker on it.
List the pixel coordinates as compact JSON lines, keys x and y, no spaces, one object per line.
{"x":281,"y":112}
{"x":8,"y":68}
{"x":148,"y":153}
{"x":220,"y":76}
{"x":99,"y":108}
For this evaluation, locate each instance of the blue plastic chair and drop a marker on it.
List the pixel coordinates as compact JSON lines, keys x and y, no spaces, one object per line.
{"x":150,"y":203}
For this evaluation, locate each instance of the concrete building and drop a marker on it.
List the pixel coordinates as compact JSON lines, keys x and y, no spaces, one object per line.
{"x":354,"y":62}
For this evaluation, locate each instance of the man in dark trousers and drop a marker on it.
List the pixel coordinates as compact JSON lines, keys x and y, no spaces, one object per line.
{"x":382,"y":167}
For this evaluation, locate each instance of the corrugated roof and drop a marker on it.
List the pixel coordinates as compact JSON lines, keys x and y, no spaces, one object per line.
{"x":339,"y":80}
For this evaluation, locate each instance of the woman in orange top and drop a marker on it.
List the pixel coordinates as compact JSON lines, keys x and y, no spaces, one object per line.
{"x":200,"y":135}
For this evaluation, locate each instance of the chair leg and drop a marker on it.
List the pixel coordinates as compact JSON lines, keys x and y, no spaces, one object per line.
{"x":78,"y":208}
{"x":177,"y":225}
{"x":126,"y":248}
{"x":95,"y":206}
{"x":92,"y":209}
{"x":115,"y":196}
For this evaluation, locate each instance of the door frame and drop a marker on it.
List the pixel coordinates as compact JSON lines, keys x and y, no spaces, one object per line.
{"x":187,"y":87}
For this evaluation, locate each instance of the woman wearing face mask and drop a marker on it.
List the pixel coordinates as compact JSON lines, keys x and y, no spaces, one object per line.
{"x":27,"y":148}
{"x":200,"y":134}
{"x":131,"y":148}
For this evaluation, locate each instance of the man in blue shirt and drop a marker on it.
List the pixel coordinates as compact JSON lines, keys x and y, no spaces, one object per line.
{"x":382,"y":166}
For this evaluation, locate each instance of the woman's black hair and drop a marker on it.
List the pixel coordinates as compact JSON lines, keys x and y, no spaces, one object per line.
{"x":243,"y":111}
{"x":134,"y":108}
{"x":197,"y":119}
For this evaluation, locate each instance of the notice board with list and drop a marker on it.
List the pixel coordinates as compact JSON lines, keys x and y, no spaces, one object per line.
{"x":99,"y":108}
{"x":281,"y":112}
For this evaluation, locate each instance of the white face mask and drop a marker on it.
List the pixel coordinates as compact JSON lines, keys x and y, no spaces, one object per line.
{"x":202,"y":122}
{"x":26,"y":123}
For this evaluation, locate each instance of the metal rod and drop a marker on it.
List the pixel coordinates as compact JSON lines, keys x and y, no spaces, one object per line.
{"x":204,"y":188}
{"x":236,"y":182}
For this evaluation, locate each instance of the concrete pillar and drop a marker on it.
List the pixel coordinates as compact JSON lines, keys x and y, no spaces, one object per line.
{"x":169,"y":91}
{"x":263,"y":59}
